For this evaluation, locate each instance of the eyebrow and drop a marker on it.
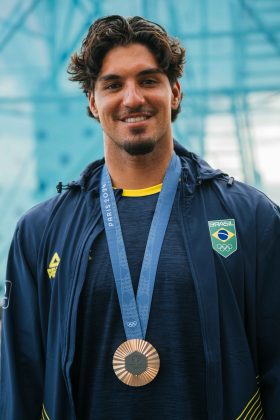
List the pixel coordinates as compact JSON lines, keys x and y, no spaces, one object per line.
{"x":149,"y":71}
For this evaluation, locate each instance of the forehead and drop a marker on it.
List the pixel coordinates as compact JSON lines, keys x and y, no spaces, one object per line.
{"x":122,"y":60}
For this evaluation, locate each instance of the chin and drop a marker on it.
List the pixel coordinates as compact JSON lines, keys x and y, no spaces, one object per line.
{"x":136,"y":148}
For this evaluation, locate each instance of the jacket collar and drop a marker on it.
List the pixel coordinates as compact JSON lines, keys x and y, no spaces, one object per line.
{"x":198,"y":170}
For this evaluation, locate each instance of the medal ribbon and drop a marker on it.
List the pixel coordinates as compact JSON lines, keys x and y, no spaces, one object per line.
{"x":135,"y":312}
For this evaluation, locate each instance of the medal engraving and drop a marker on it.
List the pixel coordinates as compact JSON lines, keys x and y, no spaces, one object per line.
{"x":136,"y":362}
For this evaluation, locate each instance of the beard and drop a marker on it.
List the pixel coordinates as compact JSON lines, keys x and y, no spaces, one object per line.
{"x":136,"y":147}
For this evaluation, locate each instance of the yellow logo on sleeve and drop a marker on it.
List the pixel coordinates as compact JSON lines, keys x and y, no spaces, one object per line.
{"x":54,"y":263}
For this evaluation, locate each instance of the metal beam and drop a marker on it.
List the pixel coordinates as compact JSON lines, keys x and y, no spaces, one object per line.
{"x":226,"y":34}
{"x":272,"y":39}
{"x":30,"y":32}
{"x":64,"y":54}
{"x":16,"y":26}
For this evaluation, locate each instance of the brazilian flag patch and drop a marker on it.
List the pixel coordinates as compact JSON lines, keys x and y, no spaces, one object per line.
{"x":223,"y":236}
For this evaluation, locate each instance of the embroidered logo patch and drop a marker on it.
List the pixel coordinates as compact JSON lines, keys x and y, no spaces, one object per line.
{"x":223,"y":236}
{"x":53,"y":266}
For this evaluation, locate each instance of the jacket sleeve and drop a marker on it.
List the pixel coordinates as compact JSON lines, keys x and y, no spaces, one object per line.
{"x":21,"y":345}
{"x":268,"y":329}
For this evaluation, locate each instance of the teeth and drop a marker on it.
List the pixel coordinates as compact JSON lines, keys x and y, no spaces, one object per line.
{"x":136,"y":119}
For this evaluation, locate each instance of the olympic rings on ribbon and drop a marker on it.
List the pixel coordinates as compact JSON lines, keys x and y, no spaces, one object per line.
{"x":132,"y":324}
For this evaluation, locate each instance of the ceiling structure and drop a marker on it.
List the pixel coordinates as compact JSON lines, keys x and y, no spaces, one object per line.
{"x":231,"y":85}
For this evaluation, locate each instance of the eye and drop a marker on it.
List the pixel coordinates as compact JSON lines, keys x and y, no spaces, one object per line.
{"x":113,"y":86}
{"x":149,"y":82}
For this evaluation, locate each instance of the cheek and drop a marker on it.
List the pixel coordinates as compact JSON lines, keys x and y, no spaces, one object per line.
{"x":164,"y":102}
{"x":107,"y":110}
{"x":106,"y":118}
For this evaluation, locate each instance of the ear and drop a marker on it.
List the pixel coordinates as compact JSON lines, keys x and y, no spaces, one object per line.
{"x":176,"y":95}
{"x":92,"y":104}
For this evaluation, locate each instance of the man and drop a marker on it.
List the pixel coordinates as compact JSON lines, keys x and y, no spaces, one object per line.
{"x":149,"y":288}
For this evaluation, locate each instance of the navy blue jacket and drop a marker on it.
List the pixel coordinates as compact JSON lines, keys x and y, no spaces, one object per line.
{"x":238,"y":296}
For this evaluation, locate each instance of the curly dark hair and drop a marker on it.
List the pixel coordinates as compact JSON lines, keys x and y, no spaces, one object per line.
{"x":111,"y":31}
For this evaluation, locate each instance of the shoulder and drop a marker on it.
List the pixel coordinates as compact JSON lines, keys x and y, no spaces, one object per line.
{"x":239,"y":194}
{"x":32,"y":225}
{"x":37,"y":216}
{"x":254,"y":211}
{"x":237,"y":197}
{"x":250,"y":207}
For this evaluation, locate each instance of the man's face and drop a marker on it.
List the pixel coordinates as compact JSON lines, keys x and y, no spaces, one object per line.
{"x":133,"y":99}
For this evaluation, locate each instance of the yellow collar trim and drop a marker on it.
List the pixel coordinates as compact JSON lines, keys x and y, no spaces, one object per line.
{"x":142,"y":192}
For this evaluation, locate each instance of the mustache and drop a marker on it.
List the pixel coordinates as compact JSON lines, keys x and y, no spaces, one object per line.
{"x":139,"y":110}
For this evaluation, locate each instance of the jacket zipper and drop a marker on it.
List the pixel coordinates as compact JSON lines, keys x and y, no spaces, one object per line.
{"x":201,"y":315}
{"x":78,"y":273}
{"x":82,"y":250}
{"x":192,"y":270}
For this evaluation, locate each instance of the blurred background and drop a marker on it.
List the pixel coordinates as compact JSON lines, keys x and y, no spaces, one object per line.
{"x":230,"y":112}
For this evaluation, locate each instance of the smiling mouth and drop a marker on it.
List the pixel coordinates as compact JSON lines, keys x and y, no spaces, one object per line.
{"x":136,"y":118}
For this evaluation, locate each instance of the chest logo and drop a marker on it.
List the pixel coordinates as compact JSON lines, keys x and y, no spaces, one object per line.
{"x":54,"y":263}
{"x":223,"y":236}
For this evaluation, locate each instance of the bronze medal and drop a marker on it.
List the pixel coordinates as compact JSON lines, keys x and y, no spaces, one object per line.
{"x":136,"y":362}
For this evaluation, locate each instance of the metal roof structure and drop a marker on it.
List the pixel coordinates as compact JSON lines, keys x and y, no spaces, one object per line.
{"x":231,"y":85}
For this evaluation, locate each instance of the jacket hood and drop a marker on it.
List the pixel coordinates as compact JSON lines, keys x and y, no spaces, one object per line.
{"x":198,"y":171}
{"x":201,"y":170}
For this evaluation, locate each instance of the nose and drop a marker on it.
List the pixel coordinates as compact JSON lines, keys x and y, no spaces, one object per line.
{"x":133,"y":96}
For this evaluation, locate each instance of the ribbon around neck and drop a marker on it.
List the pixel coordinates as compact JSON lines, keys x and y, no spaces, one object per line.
{"x":135,"y":312}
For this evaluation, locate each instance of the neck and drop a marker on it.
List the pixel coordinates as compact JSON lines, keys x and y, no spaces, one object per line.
{"x":137,"y":172}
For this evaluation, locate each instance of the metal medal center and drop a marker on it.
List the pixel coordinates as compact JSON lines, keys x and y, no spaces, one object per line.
{"x":136,"y":363}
